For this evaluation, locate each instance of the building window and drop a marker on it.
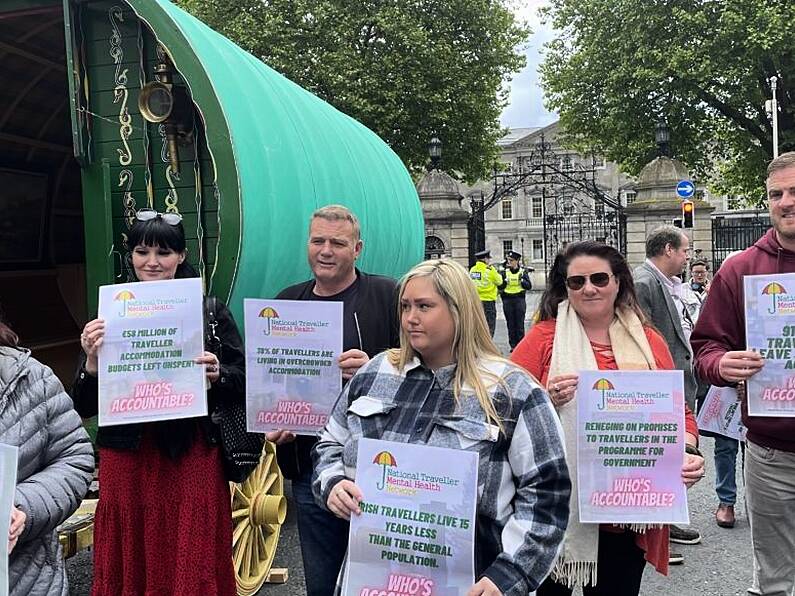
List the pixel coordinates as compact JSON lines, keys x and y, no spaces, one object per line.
{"x":538,"y":249}
{"x":630,"y":195}
{"x":507,"y":246}
{"x":434,"y":247}
{"x":537,"y":207}
{"x":507,"y":208}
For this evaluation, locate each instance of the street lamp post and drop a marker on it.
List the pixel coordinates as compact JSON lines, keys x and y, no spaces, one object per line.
{"x":771,"y":107}
{"x":663,"y":137}
{"x":435,"y":151}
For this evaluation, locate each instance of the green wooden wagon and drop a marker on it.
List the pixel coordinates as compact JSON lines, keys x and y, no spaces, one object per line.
{"x":107,"y":107}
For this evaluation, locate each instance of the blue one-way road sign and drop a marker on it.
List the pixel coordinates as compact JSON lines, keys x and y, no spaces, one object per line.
{"x":685,"y":189}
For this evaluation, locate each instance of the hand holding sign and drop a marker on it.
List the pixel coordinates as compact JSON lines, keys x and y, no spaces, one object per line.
{"x":562,"y":389}
{"x":344,"y":499}
{"x":740,"y":365}
{"x":213,"y":369}
{"x":692,"y":469}
{"x":351,"y":361}
{"x":16,"y":528}
{"x":90,"y":340}
{"x":484,"y":587}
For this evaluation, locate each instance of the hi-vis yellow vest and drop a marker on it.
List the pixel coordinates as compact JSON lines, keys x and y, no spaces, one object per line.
{"x":513,"y":282}
{"x":486,"y":280}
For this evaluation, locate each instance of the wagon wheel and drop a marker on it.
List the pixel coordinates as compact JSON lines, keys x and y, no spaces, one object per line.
{"x":258,"y":511}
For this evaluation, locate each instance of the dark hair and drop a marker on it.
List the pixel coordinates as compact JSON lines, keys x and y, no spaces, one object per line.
{"x":7,"y":337}
{"x":660,"y":237}
{"x":699,"y":263}
{"x":556,"y":292}
{"x":156,"y":232}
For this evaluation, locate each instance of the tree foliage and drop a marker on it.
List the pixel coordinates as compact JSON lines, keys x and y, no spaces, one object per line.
{"x":404,"y":68}
{"x":619,"y":66}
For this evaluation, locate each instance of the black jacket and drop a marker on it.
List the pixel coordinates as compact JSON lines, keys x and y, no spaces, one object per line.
{"x":376,"y":312}
{"x":174,"y":436}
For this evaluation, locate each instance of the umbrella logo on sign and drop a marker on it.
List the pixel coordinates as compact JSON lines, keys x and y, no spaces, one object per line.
{"x":124,"y":296}
{"x":773,"y":289}
{"x":384,"y":459}
{"x":602,"y":385}
{"x":268,"y":313}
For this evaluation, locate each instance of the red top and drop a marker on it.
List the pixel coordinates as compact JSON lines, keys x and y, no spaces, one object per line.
{"x":534,"y":353}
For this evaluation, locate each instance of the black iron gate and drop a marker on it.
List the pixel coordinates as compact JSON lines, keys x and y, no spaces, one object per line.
{"x":574,"y":207}
{"x":736,"y":231}
{"x":572,"y":216}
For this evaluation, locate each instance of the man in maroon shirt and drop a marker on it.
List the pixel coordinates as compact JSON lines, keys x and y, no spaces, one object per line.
{"x":721,"y":359}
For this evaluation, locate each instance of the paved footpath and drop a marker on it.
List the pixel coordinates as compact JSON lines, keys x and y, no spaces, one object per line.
{"x":719,"y":566}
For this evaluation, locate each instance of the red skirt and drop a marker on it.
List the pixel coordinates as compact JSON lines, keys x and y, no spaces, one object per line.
{"x":163,"y":526}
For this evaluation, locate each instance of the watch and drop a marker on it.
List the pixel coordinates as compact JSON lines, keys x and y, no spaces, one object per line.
{"x":692,"y":450}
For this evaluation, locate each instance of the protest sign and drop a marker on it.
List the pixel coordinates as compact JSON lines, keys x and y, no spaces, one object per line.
{"x":8,"y":485}
{"x":720,"y":413}
{"x":153,"y":333}
{"x":415,"y":536}
{"x":770,"y":330}
{"x":630,"y":447}
{"x":292,"y":375}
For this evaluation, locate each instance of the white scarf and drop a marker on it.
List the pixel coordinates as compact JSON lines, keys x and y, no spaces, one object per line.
{"x":572,"y":352}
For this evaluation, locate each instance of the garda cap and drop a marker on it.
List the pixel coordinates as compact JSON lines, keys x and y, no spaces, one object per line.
{"x":512,"y":254}
{"x":483,"y":254}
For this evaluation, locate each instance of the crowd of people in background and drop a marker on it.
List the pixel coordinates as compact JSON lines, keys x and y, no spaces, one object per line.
{"x":418,"y":357}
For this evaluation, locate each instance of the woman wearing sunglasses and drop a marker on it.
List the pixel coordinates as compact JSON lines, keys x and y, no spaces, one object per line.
{"x":589,"y":319}
{"x":164,"y":520}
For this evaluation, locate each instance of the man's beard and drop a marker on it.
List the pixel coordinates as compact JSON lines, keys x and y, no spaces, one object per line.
{"x":779,"y":225}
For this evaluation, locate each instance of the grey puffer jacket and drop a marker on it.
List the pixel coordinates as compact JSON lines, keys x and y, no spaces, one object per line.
{"x":56,"y":462}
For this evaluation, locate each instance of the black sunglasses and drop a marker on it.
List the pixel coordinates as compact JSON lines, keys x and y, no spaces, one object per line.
{"x":171,"y":219}
{"x":600,"y":280}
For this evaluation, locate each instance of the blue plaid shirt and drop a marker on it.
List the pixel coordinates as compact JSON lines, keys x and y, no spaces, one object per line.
{"x":523,"y":481}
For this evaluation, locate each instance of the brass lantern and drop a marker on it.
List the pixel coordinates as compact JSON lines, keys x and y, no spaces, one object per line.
{"x":160,"y":101}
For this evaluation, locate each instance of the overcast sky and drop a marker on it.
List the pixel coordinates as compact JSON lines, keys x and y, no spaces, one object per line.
{"x":526,"y":105}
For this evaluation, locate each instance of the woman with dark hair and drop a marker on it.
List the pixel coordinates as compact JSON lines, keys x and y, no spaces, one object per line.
{"x":55,"y":465}
{"x":589,"y":319}
{"x":164,"y":520}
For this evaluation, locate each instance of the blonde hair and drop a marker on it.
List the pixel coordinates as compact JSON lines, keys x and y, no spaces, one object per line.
{"x":339,"y":213}
{"x":471,"y":341}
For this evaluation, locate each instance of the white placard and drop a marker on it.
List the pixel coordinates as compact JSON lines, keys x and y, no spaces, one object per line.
{"x":153,"y":332}
{"x":720,"y":413}
{"x":630,"y":447}
{"x":416,"y":532}
{"x":770,"y":330}
{"x":292,"y":374}
{"x":8,"y":486}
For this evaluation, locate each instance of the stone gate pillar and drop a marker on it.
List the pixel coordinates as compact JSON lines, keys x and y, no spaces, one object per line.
{"x":445,"y":217}
{"x":657,"y":203}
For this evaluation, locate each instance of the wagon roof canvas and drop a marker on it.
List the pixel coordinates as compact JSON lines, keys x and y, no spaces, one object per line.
{"x":279,"y":153}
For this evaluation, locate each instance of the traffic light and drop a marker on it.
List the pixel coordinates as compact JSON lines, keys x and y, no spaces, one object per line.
{"x":688,"y":209}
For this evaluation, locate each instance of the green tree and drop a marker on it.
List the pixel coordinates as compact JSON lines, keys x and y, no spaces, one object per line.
{"x":404,"y":68}
{"x":619,"y":66}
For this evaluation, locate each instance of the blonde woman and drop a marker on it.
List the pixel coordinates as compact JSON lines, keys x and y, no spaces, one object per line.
{"x":448,"y":386}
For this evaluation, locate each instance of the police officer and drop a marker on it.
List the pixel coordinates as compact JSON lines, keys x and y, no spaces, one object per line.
{"x":486,"y":279}
{"x":516,"y":281}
